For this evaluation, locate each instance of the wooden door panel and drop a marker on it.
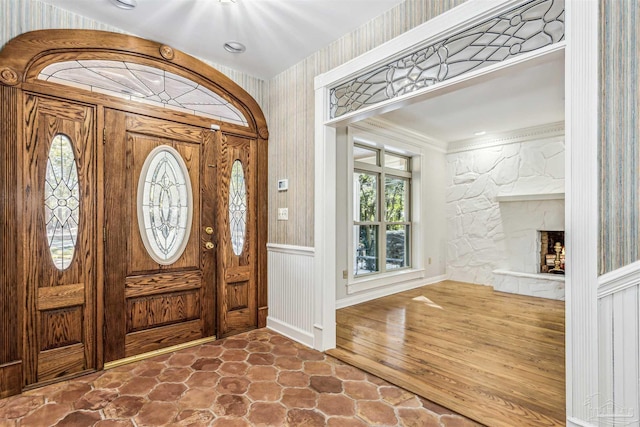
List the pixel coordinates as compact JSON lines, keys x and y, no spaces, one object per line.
{"x":154,"y":305}
{"x":59,"y":328}
{"x":237,"y":292}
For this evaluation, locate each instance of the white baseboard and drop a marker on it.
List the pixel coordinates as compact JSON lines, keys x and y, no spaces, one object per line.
{"x":390,"y":290}
{"x":574,"y":422}
{"x":290,"y":331}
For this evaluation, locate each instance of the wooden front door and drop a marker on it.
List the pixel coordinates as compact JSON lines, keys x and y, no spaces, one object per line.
{"x":59,"y":220}
{"x":153,"y":301}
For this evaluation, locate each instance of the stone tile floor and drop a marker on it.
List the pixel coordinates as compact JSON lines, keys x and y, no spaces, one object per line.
{"x":258,"y":378}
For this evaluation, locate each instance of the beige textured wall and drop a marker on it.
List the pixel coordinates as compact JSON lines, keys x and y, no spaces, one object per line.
{"x":21,"y":16}
{"x":291,"y":115}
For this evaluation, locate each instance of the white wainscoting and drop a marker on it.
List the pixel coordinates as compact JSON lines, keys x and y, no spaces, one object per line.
{"x":291,"y":291}
{"x":619,"y":348}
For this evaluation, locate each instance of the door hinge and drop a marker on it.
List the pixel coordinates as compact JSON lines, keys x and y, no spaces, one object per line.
{"x":104,"y":135}
{"x":104,"y":234}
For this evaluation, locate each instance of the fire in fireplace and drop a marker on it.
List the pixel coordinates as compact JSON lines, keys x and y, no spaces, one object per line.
{"x":552,"y":252}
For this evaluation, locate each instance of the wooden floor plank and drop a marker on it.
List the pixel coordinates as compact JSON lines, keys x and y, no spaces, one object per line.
{"x":495,"y":357}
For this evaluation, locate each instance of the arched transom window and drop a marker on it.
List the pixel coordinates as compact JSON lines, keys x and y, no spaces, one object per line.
{"x":142,"y":83}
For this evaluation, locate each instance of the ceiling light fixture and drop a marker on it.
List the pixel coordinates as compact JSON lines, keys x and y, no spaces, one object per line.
{"x":234,"y":47}
{"x":125,"y":4}
{"x":480,"y":133}
{"x":227,"y":1}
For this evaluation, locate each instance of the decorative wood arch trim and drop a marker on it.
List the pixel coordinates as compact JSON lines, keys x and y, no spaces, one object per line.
{"x":23,"y":57}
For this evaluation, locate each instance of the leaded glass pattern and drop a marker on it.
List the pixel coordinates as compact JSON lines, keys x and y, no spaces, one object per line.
{"x":532,"y":26}
{"x":164,"y":204}
{"x":237,"y":207}
{"x":61,"y":201}
{"x":142,"y":83}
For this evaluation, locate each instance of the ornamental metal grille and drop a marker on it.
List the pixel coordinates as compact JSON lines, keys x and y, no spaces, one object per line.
{"x":237,"y":207}
{"x":524,"y":29}
{"x":61,"y":201}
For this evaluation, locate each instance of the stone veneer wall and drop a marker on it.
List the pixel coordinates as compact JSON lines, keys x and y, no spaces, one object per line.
{"x":479,"y":239}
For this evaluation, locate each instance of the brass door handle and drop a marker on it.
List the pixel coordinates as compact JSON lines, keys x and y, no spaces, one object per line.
{"x":209,"y":230}
{"x":209,"y":245}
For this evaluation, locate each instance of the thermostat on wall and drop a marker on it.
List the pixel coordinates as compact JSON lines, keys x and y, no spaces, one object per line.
{"x":283,"y":184}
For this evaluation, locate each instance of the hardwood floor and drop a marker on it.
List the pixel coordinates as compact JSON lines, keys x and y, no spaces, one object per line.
{"x":494,"y":357}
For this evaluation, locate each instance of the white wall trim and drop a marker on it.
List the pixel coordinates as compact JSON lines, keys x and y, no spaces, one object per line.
{"x":574,"y":422}
{"x":619,"y":280}
{"x":291,"y":249}
{"x":581,"y":205}
{"x":534,"y":133}
{"x":290,"y":331}
{"x":387,"y":279}
{"x":379,"y":293}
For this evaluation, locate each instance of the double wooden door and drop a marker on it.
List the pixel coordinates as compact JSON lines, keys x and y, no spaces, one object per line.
{"x":97,"y":287}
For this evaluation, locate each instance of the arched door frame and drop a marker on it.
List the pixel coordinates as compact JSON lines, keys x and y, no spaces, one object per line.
{"x":21,"y":61}
{"x":581,"y":184}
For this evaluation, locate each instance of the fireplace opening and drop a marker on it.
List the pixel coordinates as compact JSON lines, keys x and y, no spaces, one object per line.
{"x":552,"y":252}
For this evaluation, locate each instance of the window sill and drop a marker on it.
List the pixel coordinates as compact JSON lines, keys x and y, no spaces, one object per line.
{"x":385,"y":279}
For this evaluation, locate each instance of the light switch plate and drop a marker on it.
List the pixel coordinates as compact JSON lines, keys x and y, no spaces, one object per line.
{"x":283,"y":214}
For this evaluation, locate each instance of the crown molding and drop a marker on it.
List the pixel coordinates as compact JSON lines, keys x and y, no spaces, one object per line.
{"x":549,"y":130}
{"x":391,"y":130}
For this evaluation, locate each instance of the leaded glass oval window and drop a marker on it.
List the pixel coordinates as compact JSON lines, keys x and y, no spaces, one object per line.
{"x":61,"y":201}
{"x":164,"y":204}
{"x":237,"y":207}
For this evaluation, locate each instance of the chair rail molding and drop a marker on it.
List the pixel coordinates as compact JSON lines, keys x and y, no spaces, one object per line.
{"x":581,"y":115}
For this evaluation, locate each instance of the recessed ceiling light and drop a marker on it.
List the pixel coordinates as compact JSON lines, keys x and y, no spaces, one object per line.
{"x":227,"y":1}
{"x":480,"y":133}
{"x":234,"y":47}
{"x":125,"y":4}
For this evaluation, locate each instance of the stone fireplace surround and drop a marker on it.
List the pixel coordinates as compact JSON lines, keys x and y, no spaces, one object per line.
{"x":499,"y":195}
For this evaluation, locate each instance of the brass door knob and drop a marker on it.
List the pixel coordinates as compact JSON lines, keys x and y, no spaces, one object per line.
{"x":209,"y":245}
{"x":209,"y":230}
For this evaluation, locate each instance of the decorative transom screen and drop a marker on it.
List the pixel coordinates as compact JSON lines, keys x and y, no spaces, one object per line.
{"x":164,"y":205}
{"x":532,"y":26}
{"x":61,"y":201}
{"x":142,"y":83}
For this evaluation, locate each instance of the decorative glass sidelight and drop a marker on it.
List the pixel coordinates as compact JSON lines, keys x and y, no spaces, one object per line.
{"x":237,"y":207}
{"x":61,"y":201}
{"x":164,"y":204}
{"x":526,"y":28}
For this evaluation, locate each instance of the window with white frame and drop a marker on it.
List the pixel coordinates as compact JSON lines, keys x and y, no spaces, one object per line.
{"x":381,"y":211}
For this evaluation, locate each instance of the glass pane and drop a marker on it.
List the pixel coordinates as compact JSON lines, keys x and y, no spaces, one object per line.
{"x":397,"y":246}
{"x":396,"y":199}
{"x":365,"y":155}
{"x":143,"y":83}
{"x":61,"y":201}
{"x":164,"y":205}
{"x":366,"y":249}
{"x":237,"y":207}
{"x":365,"y":194}
{"x":396,"y":162}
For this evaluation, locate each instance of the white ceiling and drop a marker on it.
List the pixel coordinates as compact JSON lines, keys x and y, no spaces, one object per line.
{"x":521,"y":96}
{"x":277,"y":33}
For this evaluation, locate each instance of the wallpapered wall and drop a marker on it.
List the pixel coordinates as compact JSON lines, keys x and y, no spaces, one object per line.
{"x":620,"y":147}
{"x":20,"y":16}
{"x":291,"y":115}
